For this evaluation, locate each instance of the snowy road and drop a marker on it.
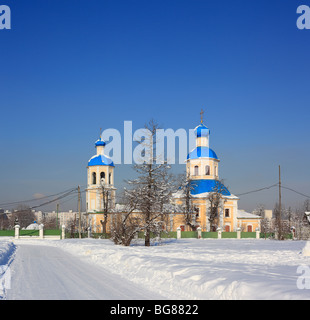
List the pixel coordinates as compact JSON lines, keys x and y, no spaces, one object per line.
{"x":182,"y":269}
{"x":46,"y":272}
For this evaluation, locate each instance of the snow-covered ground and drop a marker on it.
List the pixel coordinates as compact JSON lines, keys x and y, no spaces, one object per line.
{"x":192,"y":268}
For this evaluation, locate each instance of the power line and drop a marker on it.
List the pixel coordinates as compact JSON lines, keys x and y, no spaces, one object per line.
{"x":257,"y":190}
{"x":302,"y":194}
{"x":70,"y":198}
{"x":31,"y":200}
{"x":56,"y":199}
{"x":274,"y":185}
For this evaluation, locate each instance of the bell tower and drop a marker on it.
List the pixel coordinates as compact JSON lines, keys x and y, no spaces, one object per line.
{"x":202,"y":162}
{"x":100,"y":192}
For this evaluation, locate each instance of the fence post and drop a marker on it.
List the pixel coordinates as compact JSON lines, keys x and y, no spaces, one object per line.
{"x":41,"y":231}
{"x":238,"y":233}
{"x":178,"y":233}
{"x":63,"y":228}
{"x":219,"y":233}
{"x":257,"y":233}
{"x":199,"y":232}
{"x":17,"y":231}
{"x":293,"y":231}
{"x":88,"y":232}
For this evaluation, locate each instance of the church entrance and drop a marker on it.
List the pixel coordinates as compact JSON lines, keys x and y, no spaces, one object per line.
{"x":227,"y":228}
{"x":250,"y":229}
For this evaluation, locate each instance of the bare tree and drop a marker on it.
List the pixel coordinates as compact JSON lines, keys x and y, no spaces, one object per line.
{"x":186,"y":186}
{"x":23,"y":216}
{"x":125,"y":223}
{"x":49,"y":222}
{"x":280,"y":225}
{"x":107,"y":204}
{"x":4,"y":221}
{"x":215,"y":203}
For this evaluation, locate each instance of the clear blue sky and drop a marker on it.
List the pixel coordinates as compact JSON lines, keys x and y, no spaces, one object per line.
{"x":71,"y":67}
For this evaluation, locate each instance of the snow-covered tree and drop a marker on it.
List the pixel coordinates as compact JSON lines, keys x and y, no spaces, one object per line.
{"x":147,"y":198}
{"x":260,"y":210}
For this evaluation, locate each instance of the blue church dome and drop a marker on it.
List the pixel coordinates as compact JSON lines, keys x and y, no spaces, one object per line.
{"x":202,"y":186}
{"x":100,"y":160}
{"x":202,"y":152}
{"x":100,"y":142}
{"x":202,"y":131}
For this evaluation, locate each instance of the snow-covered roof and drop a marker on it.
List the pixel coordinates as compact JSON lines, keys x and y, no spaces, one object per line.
{"x":202,"y":131}
{"x":242,"y":214}
{"x":100,"y":160}
{"x":181,"y":194}
{"x":202,"y":152}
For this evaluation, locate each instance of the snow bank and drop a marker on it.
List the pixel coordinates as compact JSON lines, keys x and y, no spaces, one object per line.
{"x":7,"y":252}
{"x":202,"y":269}
{"x":306,"y":249}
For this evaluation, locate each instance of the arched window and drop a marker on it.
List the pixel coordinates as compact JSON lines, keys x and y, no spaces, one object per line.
{"x":110,"y":178}
{"x":102,"y":176}
{"x":196,"y":171}
{"x":94,"y":178}
{"x":207,"y":170}
{"x":215,"y":170}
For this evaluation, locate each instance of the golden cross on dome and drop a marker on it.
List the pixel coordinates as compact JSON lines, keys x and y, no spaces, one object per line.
{"x":100,"y":133}
{"x":201,"y":115}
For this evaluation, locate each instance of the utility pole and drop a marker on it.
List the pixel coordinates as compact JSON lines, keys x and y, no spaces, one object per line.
{"x":79,"y":199}
{"x":280,"y":206}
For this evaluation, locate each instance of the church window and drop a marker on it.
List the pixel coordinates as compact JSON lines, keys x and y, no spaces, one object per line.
{"x":215,"y":170}
{"x":110,"y":178}
{"x":196,"y":172}
{"x":196,"y":210}
{"x":94,"y":177}
{"x":207,"y":170}
{"x":226,"y":213}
